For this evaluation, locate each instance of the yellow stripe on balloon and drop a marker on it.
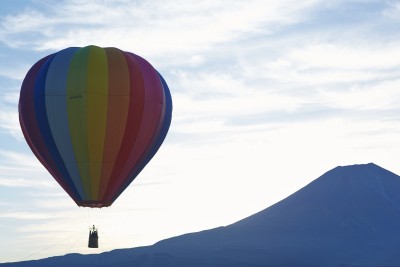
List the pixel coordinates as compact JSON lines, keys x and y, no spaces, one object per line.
{"x":77,"y":116}
{"x":97,"y":102}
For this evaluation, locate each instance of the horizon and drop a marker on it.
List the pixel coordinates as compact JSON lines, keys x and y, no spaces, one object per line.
{"x":267,"y":97}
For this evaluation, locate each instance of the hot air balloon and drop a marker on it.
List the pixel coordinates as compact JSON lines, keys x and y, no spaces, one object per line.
{"x":94,"y":117}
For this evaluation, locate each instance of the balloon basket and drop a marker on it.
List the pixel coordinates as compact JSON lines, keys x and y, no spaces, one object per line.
{"x":93,"y":238}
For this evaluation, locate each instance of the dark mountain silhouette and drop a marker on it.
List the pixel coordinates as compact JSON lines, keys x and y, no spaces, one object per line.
{"x":350,"y":216}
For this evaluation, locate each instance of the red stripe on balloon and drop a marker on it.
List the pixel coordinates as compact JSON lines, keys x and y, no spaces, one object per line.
{"x":151,"y":119}
{"x":132,"y":126}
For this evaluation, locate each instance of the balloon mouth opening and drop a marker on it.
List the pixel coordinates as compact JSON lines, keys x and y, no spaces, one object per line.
{"x":94,"y":204}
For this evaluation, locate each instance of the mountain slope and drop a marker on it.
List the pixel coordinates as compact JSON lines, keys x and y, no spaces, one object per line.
{"x":350,"y":216}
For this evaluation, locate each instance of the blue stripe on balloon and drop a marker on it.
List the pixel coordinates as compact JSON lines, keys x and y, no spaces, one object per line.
{"x":167,"y":116}
{"x":56,"y":106}
{"x":43,"y":124}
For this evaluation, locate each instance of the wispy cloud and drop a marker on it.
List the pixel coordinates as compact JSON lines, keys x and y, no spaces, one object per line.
{"x":18,"y":159}
{"x":9,"y":122}
{"x":14,"y":72}
{"x":11,"y":97}
{"x":26,"y":215}
{"x":378,"y":96}
{"x":393,"y":10}
{"x":23,"y":182}
{"x":23,"y":171}
{"x":348,"y":55}
{"x":179,"y":25}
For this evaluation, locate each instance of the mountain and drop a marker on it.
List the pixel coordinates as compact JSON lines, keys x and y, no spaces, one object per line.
{"x":350,"y":216}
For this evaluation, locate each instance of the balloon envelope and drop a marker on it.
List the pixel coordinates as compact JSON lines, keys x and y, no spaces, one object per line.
{"x":94,"y":117}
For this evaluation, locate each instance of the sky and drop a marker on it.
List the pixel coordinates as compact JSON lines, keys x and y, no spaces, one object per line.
{"x":268,"y":95}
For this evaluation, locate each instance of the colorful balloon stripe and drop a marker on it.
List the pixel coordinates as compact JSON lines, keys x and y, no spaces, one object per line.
{"x":94,"y":117}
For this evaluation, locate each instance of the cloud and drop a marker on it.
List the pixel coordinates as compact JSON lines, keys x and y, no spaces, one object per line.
{"x":18,"y":159}
{"x":4,"y":204}
{"x":380,"y":96}
{"x":11,"y":98}
{"x":15,"y":166}
{"x":348,"y":55}
{"x":9,"y":122}
{"x":324,"y":63}
{"x":393,"y":10}
{"x":23,"y":215}
{"x":179,"y":26}
{"x":23,"y":182}
{"x":13,"y":71}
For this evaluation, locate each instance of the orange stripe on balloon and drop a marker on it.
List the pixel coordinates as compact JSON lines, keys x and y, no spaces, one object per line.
{"x":118,"y":106}
{"x":134,"y":120}
{"x":150,"y":120}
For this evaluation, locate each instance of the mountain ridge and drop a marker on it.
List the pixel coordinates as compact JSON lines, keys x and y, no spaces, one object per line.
{"x":349,"y":216}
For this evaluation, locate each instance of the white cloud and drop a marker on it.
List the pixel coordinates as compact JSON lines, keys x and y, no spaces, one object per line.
{"x":322,"y":63}
{"x":11,"y":98}
{"x":13,"y":71}
{"x":378,"y":97}
{"x":23,"y":215}
{"x":155,"y":27}
{"x":348,"y":55}
{"x":218,"y":94}
{"x":13,"y":158}
{"x":23,"y":182}
{"x":23,"y":171}
{"x":393,"y":10}
{"x":9,"y":121}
